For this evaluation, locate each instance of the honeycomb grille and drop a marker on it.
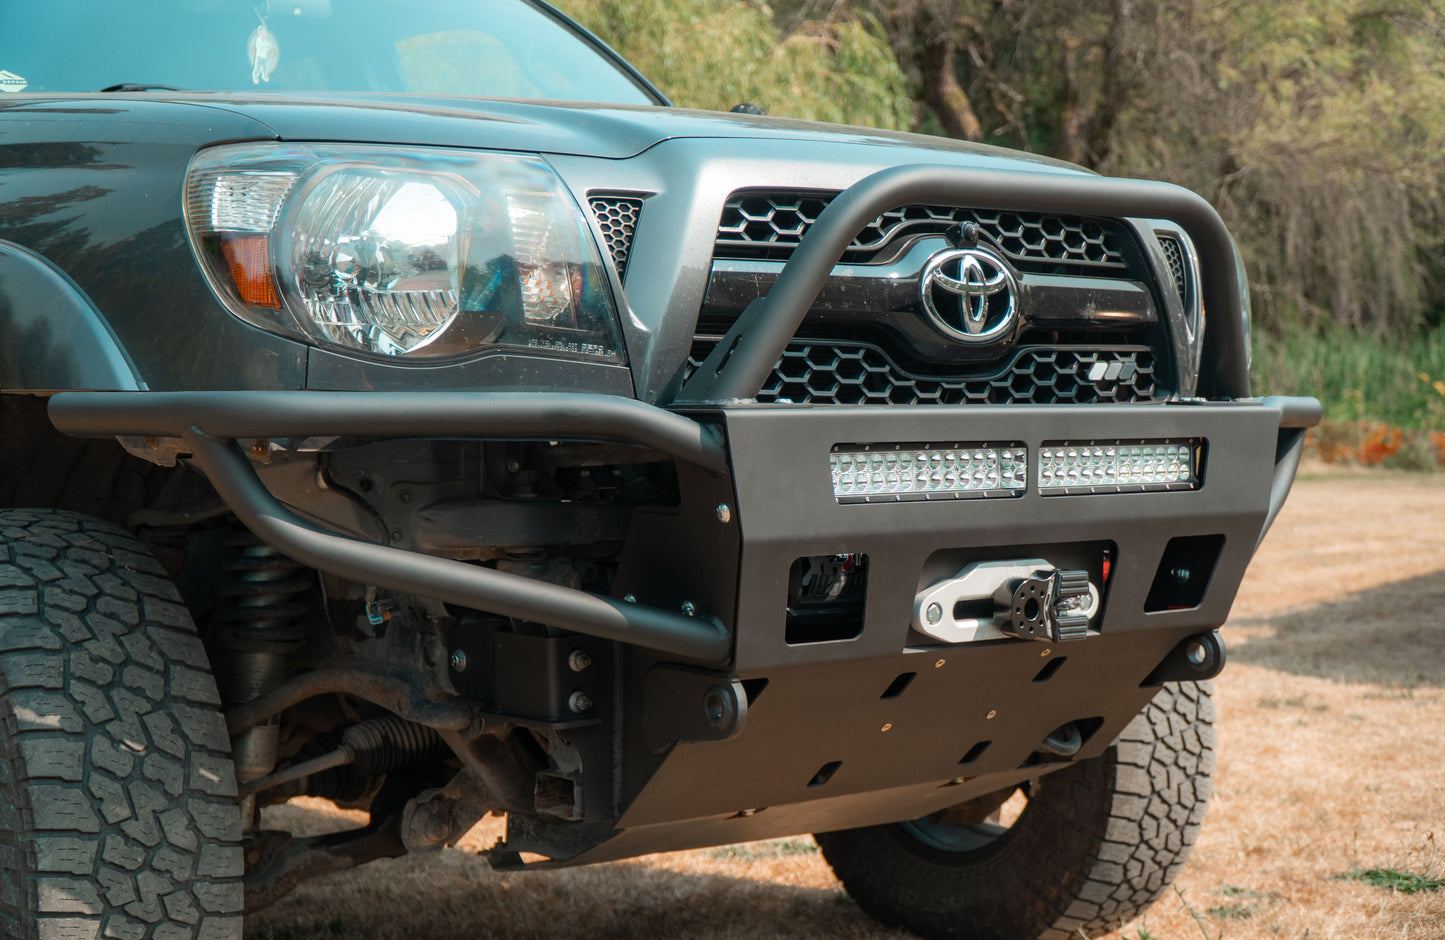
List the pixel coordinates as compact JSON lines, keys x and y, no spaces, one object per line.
{"x":852,"y":373}
{"x":769,"y":225}
{"x":617,"y":217}
{"x":1178,"y":270}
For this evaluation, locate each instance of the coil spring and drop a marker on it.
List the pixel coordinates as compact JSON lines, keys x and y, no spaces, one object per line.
{"x":265,"y":605}
{"x":265,"y":595}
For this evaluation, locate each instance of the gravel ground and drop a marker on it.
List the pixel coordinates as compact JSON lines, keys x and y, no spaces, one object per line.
{"x":1332,"y":740}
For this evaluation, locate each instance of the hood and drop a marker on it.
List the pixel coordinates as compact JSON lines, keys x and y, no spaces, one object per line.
{"x":572,"y":128}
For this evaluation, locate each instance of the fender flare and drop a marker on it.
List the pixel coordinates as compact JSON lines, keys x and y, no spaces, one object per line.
{"x":52,"y":337}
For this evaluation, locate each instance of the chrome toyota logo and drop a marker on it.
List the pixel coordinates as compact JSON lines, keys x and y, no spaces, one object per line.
{"x":970,"y":293}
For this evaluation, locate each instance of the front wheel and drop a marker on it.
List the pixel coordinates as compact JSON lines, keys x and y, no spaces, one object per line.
{"x":118,"y":814}
{"x":1086,"y":848}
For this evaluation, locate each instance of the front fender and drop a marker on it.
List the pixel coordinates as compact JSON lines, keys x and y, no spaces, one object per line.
{"x":52,"y":337}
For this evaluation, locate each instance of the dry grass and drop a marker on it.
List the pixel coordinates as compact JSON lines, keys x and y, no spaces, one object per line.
{"x":1332,"y":728}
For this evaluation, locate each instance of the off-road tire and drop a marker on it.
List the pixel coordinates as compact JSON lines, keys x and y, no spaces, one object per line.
{"x":1098,"y":842}
{"x":117,"y":797}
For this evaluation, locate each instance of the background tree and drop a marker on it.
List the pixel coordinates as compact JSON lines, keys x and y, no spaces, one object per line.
{"x":715,"y":54}
{"x":1317,"y":127}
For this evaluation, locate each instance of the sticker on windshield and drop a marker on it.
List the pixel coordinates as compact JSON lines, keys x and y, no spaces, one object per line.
{"x":265,"y":52}
{"x":11,"y":82}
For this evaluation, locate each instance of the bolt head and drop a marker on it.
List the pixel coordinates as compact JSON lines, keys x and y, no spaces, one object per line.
{"x":458,"y":661}
{"x":934,"y":613}
{"x":629,"y":598}
{"x":579,"y":702}
{"x":578,"y":660}
{"x":724,"y":513}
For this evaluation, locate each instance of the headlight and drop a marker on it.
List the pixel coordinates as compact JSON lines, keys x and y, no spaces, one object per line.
{"x":399,"y":252}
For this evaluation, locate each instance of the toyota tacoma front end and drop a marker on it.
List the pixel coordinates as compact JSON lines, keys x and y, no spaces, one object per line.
{"x":658,"y":479}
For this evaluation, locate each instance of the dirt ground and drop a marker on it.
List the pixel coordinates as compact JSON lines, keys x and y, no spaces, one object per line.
{"x":1332,"y":760}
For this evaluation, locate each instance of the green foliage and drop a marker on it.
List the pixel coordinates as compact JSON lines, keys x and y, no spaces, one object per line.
{"x":1359,"y":377}
{"x":1403,"y":881}
{"x":714,"y":54}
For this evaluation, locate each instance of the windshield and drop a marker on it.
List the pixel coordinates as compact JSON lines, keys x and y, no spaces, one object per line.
{"x":482,"y":48}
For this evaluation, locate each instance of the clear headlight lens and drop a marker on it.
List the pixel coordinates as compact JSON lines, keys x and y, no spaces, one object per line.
{"x":401,"y":252}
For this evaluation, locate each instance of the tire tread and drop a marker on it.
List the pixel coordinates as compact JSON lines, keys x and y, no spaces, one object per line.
{"x":1101,"y":841}
{"x":113,"y":756}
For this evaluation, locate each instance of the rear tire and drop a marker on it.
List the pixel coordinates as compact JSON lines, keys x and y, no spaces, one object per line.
{"x":117,"y":797}
{"x":1096,"y":844}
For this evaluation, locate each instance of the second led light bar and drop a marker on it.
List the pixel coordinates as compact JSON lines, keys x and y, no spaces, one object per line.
{"x":1076,"y":468}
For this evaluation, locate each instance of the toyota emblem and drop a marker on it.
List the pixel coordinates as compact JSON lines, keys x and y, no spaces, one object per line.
{"x":970,"y":293}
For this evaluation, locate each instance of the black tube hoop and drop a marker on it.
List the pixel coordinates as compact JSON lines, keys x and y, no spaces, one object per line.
{"x":739,"y":365}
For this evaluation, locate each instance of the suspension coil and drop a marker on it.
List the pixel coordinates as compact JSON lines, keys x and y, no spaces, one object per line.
{"x":263,"y":618}
{"x":265,"y":596}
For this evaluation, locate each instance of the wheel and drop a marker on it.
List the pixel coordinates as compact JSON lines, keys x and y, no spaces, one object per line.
{"x":118,"y":815}
{"x":1092,"y":846}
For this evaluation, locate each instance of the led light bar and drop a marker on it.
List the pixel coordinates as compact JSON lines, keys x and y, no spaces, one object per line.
{"x":1073,"y":468}
{"x":891,"y":473}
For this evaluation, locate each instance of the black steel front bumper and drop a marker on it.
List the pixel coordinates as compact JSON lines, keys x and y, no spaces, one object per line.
{"x":772,"y":472}
{"x":814,"y":711}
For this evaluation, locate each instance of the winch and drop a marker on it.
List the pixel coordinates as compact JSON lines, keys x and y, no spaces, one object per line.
{"x":1026,"y":598}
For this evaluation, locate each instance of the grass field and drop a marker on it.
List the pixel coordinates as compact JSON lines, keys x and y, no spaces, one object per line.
{"x":1327,"y":823}
{"x":1393,"y":380}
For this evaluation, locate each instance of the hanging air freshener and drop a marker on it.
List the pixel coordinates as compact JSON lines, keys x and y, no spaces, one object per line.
{"x":264,"y":51}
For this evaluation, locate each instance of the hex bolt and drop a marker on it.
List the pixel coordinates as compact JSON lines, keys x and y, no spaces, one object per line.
{"x":261,"y":448}
{"x":934,"y":613}
{"x":689,"y":608}
{"x":578,"y":660}
{"x":432,"y":829}
{"x":458,"y":661}
{"x":579,"y":702}
{"x":724,"y":513}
